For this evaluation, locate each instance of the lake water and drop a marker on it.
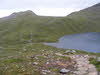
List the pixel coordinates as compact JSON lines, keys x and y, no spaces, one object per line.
{"x":89,"y":42}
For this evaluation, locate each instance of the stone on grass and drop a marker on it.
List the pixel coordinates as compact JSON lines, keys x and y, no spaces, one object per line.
{"x":24,"y":48}
{"x":33,"y":49}
{"x":73,"y":51}
{"x":70,"y":51}
{"x":22,"y":66}
{"x":47,"y":71}
{"x":58,"y":54}
{"x":47,"y":63}
{"x":36,"y":57}
{"x":35,"y":63}
{"x":64,"y":71}
{"x":44,"y":72}
{"x":23,"y":70}
{"x":98,"y":59}
{"x":1,"y":47}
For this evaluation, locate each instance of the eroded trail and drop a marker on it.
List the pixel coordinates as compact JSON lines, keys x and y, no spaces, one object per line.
{"x":83,"y":66}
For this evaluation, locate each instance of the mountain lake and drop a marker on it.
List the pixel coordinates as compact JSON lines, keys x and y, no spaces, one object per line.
{"x":89,"y":42}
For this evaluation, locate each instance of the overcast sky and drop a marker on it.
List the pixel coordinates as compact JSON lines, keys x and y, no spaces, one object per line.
{"x":44,"y":7}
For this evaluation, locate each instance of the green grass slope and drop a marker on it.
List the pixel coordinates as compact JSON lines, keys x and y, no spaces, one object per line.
{"x":17,"y":27}
{"x":90,"y":17}
{"x":87,"y":20}
{"x":21,"y":35}
{"x":20,"y":27}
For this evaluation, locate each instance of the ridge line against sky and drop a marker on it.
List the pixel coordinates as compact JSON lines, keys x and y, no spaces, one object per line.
{"x":44,"y":7}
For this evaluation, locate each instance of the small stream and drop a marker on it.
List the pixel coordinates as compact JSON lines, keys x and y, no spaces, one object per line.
{"x":89,"y":42}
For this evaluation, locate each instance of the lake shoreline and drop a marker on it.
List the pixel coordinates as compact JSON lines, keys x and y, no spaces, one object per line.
{"x":86,"y":41}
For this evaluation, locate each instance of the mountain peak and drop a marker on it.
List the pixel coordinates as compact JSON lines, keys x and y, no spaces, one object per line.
{"x":97,"y":5}
{"x":23,"y":13}
{"x":28,"y":12}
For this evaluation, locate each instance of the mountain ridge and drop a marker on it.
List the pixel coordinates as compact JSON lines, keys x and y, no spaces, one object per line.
{"x":27,"y":12}
{"x":22,"y":49}
{"x":48,"y":29}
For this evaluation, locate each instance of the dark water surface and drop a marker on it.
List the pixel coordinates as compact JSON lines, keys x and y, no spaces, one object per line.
{"x":89,"y":42}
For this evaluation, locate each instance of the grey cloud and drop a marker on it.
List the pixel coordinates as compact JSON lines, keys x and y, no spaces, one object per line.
{"x":22,"y":4}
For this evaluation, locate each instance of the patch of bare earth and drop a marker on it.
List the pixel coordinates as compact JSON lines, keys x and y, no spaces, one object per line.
{"x":78,"y":64}
{"x":58,"y":64}
{"x":83,"y":67}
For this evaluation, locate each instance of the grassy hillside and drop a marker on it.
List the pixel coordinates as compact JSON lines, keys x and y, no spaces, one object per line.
{"x":17,"y":28}
{"x":25,"y":27}
{"x":90,"y":17}
{"x":87,"y":20}
{"x":22,"y":35}
{"x":20,"y":27}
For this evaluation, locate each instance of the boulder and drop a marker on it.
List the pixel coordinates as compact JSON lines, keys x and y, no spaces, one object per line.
{"x":58,"y":54}
{"x":98,"y":59}
{"x":70,"y":51}
{"x":35,"y":63}
{"x":44,"y":72}
{"x":64,"y":71}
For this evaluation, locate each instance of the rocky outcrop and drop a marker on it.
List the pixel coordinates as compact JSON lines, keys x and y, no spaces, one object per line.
{"x":83,"y":66}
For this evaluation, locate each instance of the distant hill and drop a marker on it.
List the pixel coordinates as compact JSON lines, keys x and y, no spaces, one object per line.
{"x":91,"y":13}
{"x":25,"y":13}
{"x":90,"y":16}
{"x":17,"y":14}
{"x":86,"y":20}
{"x":19,"y":27}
